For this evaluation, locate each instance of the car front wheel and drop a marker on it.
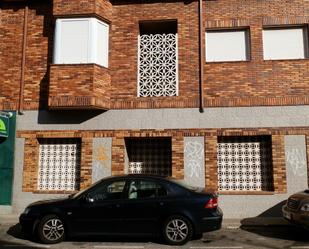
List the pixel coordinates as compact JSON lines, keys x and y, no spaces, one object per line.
{"x":51,"y":229}
{"x":177,"y":230}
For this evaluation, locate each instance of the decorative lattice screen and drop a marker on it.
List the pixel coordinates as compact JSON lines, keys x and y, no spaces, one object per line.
{"x":150,"y":156}
{"x":244,"y":166}
{"x":158,"y":65}
{"x":59,"y":164}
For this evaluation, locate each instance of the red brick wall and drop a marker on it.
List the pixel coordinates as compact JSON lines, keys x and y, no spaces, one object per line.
{"x":257,"y":82}
{"x":101,"y":8}
{"x":79,"y":86}
{"x":211,"y":167}
{"x":31,"y":158}
{"x":279,"y":170}
{"x":38,"y":54}
{"x":124,"y":44}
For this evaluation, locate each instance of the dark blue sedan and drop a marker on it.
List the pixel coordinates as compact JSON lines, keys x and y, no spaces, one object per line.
{"x":126,"y":205}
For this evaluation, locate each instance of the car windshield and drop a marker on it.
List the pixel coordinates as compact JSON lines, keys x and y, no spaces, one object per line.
{"x":84,"y":190}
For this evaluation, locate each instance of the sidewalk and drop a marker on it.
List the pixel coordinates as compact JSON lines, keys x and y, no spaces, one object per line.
{"x":227,"y":223}
{"x":9,"y":219}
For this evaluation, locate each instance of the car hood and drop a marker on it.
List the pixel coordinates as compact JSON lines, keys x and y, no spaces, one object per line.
{"x":48,"y":201}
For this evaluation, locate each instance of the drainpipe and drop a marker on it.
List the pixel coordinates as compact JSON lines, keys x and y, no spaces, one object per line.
{"x":23,"y":63}
{"x":201,"y":58}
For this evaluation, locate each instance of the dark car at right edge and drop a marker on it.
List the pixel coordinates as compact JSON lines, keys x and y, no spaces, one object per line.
{"x":296,"y":209}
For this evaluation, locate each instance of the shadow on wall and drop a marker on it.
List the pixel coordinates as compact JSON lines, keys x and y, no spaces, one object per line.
{"x":67,"y":116}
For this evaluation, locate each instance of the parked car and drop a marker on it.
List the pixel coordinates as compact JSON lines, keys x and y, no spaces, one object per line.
{"x":126,"y":205}
{"x":296,"y":209}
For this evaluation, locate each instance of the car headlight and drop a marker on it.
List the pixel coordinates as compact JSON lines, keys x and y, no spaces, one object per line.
{"x":26,"y":211}
{"x":305,"y":207}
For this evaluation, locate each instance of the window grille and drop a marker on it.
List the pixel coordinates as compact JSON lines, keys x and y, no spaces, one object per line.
{"x":59,"y":164}
{"x":158,"y":65}
{"x":150,"y":156}
{"x":244,"y":165}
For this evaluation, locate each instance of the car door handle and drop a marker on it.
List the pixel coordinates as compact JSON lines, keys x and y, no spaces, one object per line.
{"x":117,"y":205}
{"x":161,"y":203}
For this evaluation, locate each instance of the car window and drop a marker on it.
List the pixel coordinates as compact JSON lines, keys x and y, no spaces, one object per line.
{"x":183,"y":184}
{"x":107,"y":191}
{"x":141,"y":189}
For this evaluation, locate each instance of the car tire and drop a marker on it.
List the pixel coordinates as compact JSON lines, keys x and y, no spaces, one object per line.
{"x":177,"y":230}
{"x":51,"y":229}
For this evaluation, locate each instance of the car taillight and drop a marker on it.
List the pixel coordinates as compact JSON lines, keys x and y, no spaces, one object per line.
{"x":212,"y":203}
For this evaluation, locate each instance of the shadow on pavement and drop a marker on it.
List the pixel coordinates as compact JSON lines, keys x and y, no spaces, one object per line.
{"x":270,"y":223}
{"x":279,"y":232}
{"x":16,"y":232}
{"x":119,"y":239}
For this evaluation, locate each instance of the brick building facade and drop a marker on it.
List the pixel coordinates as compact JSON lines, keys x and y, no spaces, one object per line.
{"x":79,"y":119}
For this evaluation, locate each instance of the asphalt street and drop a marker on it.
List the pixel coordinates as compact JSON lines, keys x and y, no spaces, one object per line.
{"x":229,"y":237}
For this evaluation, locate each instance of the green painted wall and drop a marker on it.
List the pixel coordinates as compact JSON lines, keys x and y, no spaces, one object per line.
{"x":7,"y":163}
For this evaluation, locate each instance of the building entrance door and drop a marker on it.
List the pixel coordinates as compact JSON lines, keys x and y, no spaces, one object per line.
{"x":7,"y":141}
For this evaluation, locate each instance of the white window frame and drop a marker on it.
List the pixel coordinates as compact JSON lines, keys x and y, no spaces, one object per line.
{"x":92,"y":55}
{"x":303,"y":46}
{"x":246,"y":44}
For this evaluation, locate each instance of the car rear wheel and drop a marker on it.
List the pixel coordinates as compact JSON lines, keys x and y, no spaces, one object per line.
{"x":51,"y":229}
{"x":177,"y":230}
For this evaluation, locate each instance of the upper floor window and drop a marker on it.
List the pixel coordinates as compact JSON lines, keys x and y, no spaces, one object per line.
{"x":158,"y":59}
{"x":285,"y":43}
{"x":81,"y":40}
{"x":227,"y":45}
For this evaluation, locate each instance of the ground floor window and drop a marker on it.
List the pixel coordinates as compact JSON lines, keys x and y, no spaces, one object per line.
{"x":150,"y":155}
{"x":245,"y":163}
{"x":59,"y":164}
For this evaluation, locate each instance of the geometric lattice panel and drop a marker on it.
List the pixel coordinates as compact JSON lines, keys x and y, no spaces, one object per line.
{"x":59,"y":164}
{"x":149,"y":156}
{"x":158,"y":65}
{"x":244,"y":166}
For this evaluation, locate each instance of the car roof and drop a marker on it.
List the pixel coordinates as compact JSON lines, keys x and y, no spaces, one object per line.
{"x":138,"y":176}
